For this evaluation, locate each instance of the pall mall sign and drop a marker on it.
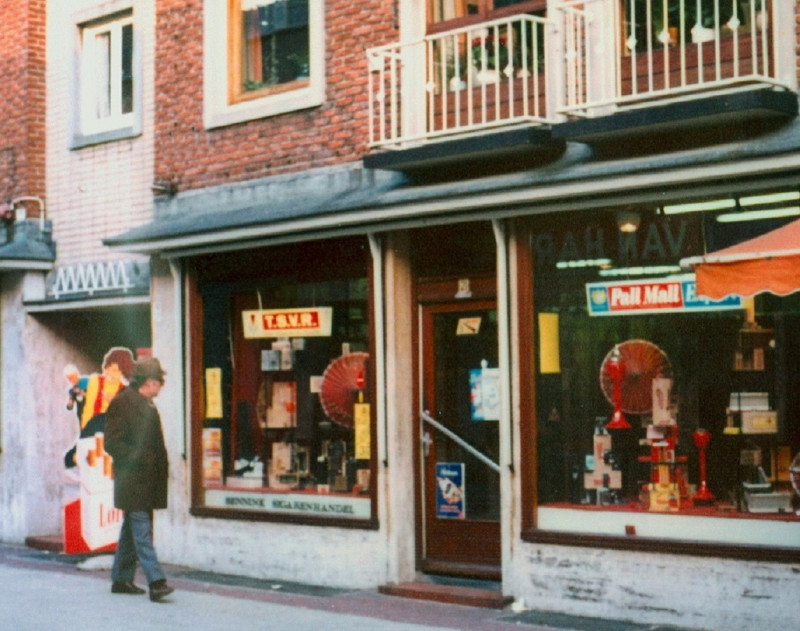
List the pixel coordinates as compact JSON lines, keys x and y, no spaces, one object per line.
{"x":665,"y":295}
{"x":300,"y":322}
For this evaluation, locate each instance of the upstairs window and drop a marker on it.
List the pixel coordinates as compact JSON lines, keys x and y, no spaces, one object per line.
{"x":272,"y":60}
{"x":107,"y":78}
{"x":270,"y":41}
{"x":457,"y":12}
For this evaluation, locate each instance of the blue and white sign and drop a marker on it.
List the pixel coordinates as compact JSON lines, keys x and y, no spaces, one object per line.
{"x":450,"y":491}
{"x":664,"y":295}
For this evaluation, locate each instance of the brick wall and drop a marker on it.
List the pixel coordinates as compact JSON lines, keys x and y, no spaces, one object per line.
{"x":332,"y":133}
{"x":22,"y":64}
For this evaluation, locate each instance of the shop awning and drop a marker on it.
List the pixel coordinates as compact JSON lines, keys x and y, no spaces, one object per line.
{"x":350,"y":200}
{"x":767,"y":263}
{"x":27,"y":247}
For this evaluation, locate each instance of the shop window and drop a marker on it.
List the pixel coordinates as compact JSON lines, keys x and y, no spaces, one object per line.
{"x":108,"y":80}
{"x":272,"y":64}
{"x":658,"y":413}
{"x":287,"y":419}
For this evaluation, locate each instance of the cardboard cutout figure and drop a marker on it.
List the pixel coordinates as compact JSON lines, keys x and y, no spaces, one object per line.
{"x":91,"y":522}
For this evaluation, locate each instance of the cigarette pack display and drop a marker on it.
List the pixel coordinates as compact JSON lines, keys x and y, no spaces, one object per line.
{"x":280,"y":464}
{"x":664,"y":497}
{"x":759,"y":422}
{"x":282,"y":412}
{"x":776,"y":502}
{"x":100,"y":521}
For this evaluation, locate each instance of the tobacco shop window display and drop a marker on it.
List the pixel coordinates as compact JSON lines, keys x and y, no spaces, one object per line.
{"x":287,"y":428}
{"x":674,"y":416}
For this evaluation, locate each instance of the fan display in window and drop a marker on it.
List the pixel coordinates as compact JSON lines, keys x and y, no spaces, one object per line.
{"x":633,"y":364}
{"x":342,"y":381}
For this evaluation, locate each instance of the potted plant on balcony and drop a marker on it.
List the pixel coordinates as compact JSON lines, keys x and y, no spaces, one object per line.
{"x":489,"y":57}
{"x":698,"y":20}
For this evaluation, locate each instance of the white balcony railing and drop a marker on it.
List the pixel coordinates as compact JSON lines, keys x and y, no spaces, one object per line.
{"x":636,"y":53}
{"x":586,"y":58}
{"x":464,"y":80}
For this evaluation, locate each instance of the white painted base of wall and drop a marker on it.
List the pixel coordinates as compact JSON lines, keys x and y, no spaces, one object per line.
{"x":686,"y":591}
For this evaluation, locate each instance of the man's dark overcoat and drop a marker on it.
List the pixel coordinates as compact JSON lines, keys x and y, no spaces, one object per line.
{"x":135,"y":440}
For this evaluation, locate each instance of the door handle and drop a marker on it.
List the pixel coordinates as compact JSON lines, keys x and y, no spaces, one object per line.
{"x":426,"y":443}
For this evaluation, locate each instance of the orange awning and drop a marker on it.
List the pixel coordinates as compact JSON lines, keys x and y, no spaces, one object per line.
{"x":768,"y":263}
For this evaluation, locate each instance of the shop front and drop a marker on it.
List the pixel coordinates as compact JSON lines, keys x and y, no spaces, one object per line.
{"x":294,"y":419}
{"x":664,"y":422}
{"x":526,"y":393}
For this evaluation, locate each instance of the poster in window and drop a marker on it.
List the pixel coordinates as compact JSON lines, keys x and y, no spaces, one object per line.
{"x":450,"y":491}
{"x":484,"y":393}
{"x":362,"y":431}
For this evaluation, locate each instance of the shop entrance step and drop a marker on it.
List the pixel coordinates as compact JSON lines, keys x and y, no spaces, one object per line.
{"x":451,"y":594}
{"x":50,"y":543}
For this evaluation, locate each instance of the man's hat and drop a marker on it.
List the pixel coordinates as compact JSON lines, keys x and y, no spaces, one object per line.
{"x":148,"y":368}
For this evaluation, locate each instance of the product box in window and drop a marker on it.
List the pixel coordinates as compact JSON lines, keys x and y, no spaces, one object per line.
{"x":280,"y":465}
{"x":282,"y":412}
{"x":100,"y":521}
{"x":665,"y":497}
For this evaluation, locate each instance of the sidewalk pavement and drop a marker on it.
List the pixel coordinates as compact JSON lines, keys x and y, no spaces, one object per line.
{"x":44,"y":590}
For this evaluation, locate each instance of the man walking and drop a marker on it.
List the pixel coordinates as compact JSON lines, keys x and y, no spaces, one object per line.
{"x":135,"y":440}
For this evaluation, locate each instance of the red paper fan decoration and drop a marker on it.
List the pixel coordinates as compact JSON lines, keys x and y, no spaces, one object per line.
{"x":643,"y":362}
{"x":341,"y":382}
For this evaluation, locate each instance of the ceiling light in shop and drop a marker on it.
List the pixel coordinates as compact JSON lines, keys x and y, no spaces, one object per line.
{"x":641,"y":271}
{"x":601,"y":263}
{"x":752,"y":215}
{"x":713,"y":204}
{"x":628,"y":221}
{"x":770,"y":198}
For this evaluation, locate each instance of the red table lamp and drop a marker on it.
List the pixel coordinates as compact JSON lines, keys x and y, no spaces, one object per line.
{"x":615,"y":369}
{"x":701,"y":440}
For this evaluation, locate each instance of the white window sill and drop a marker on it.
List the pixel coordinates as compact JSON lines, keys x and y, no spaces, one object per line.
{"x":672,"y":526}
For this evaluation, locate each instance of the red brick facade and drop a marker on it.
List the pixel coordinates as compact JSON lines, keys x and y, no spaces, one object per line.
{"x":333,"y":133}
{"x":22,"y":105}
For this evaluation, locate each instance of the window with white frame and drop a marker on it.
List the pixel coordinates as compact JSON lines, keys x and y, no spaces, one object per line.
{"x":107,"y":76}
{"x":269,"y":64}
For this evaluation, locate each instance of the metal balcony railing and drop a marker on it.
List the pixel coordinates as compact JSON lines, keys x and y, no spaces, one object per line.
{"x":586,"y":58}
{"x":466,"y":80}
{"x":636,"y":53}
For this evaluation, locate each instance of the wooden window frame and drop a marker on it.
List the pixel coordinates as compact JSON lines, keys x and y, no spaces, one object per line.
{"x":236,"y":93}
{"x":484,"y":14}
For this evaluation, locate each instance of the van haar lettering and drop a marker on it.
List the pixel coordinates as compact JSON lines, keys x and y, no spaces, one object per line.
{"x":659,"y":240}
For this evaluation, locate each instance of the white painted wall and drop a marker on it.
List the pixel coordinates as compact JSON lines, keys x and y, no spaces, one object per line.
{"x":36,"y":429}
{"x":686,"y":591}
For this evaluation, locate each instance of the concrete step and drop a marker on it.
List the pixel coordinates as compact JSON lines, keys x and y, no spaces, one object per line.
{"x":50,"y":543}
{"x":452,"y":594}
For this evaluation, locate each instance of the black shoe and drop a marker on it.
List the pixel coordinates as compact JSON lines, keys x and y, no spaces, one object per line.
{"x":118,"y":587}
{"x":159,"y":590}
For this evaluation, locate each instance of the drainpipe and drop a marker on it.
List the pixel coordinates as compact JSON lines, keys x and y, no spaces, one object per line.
{"x":176,"y":272}
{"x":30,"y":198}
{"x":376,"y":249}
{"x":507,"y":501}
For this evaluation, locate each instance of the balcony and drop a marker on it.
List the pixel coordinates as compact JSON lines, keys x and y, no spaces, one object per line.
{"x":462,"y":81}
{"x":632,"y":53}
{"x":588,"y":60}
